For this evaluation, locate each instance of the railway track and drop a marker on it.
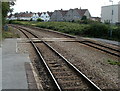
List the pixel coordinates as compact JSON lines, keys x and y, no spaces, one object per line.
{"x":98,"y":46}
{"x":109,"y":50}
{"x":104,"y":48}
{"x":63,"y":74}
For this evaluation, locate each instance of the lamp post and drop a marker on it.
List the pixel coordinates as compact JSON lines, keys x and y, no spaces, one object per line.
{"x":111,"y":18}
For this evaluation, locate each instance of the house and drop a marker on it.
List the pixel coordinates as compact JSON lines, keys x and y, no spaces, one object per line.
{"x":70,"y":15}
{"x":46,"y":16}
{"x":96,"y":19}
{"x":35,"y":16}
{"x":39,"y":14}
{"x":11,"y":17}
{"x":110,"y":14}
{"x":58,"y":15}
{"x":77,"y":14}
{"x":23,"y":16}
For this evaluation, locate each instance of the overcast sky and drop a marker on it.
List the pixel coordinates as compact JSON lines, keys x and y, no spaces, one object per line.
{"x":94,"y":6}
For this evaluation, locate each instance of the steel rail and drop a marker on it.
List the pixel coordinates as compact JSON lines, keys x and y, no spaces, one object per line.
{"x":92,"y":84}
{"x":40,"y":55}
{"x":102,"y":46}
{"x":101,"y":49}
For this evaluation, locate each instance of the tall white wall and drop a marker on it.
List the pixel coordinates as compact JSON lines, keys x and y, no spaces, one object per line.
{"x":119,"y":11}
{"x":106,"y":14}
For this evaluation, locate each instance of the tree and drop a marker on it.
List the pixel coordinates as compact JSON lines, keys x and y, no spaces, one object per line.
{"x":5,"y":9}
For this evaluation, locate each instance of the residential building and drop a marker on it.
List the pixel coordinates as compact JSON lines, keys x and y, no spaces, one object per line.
{"x":110,"y":14}
{"x":11,"y":17}
{"x":76,"y":14}
{"x":23,"y":16}
{"x":96,"y":19}
{"x":35,"y":16}
{"x":70,"y":15}
{"x":46,"y":16}
{"x":58,"y":15}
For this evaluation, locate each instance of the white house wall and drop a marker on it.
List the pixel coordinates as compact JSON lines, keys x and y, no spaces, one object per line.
{"x":35,"y":17}
{"x":25,"y":18}
{"x":45,"y":17}
{"x":87,"y":14}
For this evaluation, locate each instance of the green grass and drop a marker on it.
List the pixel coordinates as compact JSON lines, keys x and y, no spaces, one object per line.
{"x":9,"y":34}
{"x":113,"y":62}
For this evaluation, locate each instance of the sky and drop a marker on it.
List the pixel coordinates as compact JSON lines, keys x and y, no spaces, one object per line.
{"x":94,"y":6}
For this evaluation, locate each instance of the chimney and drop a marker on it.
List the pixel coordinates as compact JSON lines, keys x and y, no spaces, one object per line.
{"x":76,"y":8}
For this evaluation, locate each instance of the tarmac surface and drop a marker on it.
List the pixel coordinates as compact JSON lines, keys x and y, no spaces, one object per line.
{"x":13,"y":66}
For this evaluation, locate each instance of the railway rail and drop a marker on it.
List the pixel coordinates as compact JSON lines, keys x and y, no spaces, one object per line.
{"x":92,"y":44}
{"x":64,"y":74}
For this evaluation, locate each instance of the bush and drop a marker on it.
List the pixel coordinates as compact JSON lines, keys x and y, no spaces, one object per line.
{"x":40,"y":20}
{"x":31,"y":19}
{"x":10,"y":21}
{"x":96,"y":30}
{"x":116,"y":33}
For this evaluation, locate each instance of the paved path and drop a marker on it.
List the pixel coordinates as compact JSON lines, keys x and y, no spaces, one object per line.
{"x":13,"y":66}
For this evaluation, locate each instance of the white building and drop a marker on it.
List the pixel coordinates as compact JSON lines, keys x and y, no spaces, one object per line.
{"x":35,"y":16}
{"x":110,"y":14}
{"x":46,"y":16}
{"x":23,"y":16}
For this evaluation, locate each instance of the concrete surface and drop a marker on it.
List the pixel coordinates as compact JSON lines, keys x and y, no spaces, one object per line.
{"x":13,"y":66}
{"x":107,"y":41}
{"x":0,"y":68}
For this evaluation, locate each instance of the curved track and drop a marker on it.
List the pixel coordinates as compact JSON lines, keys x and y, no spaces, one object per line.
{"x":64,"y":74}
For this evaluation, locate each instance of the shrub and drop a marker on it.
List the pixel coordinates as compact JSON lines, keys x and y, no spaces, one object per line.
{"x":40,"y":20}
{"x":31,"y":19}
{"x":96,"y":30}
{"x":116,"y":33}
{"x":10,"y":21}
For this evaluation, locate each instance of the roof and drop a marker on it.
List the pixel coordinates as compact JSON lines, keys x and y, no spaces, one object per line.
{"x":24,"y":15}
{"x":39,"y":13}
{"x":63,"y":12}
{"x":81,"y":11}
{"x":10,"y":16}
{"x":50,"y":13}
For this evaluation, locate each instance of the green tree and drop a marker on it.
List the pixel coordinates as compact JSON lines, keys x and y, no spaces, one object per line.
{"x":5,"y":9}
